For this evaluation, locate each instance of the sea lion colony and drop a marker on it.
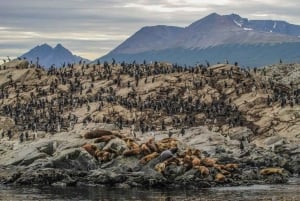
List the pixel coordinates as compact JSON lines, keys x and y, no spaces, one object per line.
{"x":144,"y":98}
{"x":164,"y":152}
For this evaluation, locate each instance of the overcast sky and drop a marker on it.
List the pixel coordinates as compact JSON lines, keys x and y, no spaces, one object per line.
{"x":91,"y":28}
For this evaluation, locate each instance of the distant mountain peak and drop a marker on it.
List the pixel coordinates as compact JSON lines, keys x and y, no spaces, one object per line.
{"x":59,"y":46}
{"x":44,"y":45}
{"x":49,"y":56}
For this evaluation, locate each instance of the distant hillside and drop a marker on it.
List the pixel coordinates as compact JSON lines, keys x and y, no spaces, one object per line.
{"x":48,"y":56}
{"x":213,"y":38}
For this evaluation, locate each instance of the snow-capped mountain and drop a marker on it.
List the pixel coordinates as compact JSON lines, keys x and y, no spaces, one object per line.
{"x":215,"y":37}
{"x":48,"y":56}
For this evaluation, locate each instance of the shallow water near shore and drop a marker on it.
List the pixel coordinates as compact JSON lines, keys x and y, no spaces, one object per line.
{"x":290,"y":191}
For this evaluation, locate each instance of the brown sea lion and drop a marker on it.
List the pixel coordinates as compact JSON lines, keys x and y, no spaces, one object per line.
{"x":195,"y":161}
{"x":208,"y":162}
{"x":203,"y":170}
{"x":231,"y":166}
{"x":96,"y":133}
{"x":269,"y":171}
{"x":105,"y":138}
{"x":219,"y":167}
{"x":196,"y":152}
{"x":219,"y":178}
{"x":225,"y":172}
{"x":166,"y":143}
{"x":160,"y":167}
{"x":131,"y":152}
{"x":149,"y":157}
{"x":152,"y":145}
{"x":145,"y":150}
{"x":103,"y":155}
{"x":91,"y":149}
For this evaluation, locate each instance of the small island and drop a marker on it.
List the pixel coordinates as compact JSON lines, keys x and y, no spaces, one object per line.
{"x":153,"y":125}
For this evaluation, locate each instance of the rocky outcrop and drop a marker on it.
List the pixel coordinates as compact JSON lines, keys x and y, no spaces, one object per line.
{"x":70,"y":165}
{"x":102,"y":125}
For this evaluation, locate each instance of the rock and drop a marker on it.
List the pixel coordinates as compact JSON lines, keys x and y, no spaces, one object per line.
{"x":107,"y":177}
{"x":48,"y":147}
{"x":147,"y":178}
{"x":237,"y":133}
{"x":46,"y":176}
{"x":31,"y":157}
{"x":293,"y":165}
{"x":122,"y":164}
{"x":63,"y":145}
{"x":74,"y":158}
{"x":173,"y":171}
{"x":28,"y":153}
{"x":9,"y":174}
{"x":272,"y":140}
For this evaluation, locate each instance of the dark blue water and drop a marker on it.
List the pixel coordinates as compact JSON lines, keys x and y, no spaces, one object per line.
{"x":289,"y":192}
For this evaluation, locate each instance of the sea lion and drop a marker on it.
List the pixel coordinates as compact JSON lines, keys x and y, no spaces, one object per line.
{"x":97,"y":133}
{"x":220,"y":178}
{"x":208,"y":162}
{"x":105,"y":138}
{"x":160,"y":167}
{"x":225,"y":172}
{"x":167,"y":154}
{"x":203,"y":170}
{"x":103,"y":155}
{"x":152,"y":145}
{"x":196,"y":152}
{"x":231,"y":167}
{"x":133,"y":147}
{"x":219,"y":167}
{"x":131,"y":152}
{"x":145,"y":150}
{"x":195,"y":161}
{"x":269,"y":171}
{"x":149,"y":157}
{"x":91,"y":149}
{"x":166,"y":143}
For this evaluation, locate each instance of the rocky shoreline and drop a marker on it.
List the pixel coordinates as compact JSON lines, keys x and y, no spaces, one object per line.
{"x":59,"y":162}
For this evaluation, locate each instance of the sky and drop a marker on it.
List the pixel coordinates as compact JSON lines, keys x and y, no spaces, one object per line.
{"x":92,"y":28}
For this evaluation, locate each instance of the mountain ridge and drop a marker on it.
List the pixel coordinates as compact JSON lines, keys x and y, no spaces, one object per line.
{"x":212,"y":31}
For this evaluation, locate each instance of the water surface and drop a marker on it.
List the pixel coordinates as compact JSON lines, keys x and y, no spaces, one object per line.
{"x":288,"y":192}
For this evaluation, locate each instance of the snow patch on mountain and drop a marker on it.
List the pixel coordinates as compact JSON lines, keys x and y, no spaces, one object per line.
{"x":237,"y":23}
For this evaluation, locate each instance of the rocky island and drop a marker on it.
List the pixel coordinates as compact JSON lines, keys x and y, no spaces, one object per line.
{"x":149,"y":125}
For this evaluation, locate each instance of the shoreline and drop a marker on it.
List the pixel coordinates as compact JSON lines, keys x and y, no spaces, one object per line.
{"x":57,"y":161}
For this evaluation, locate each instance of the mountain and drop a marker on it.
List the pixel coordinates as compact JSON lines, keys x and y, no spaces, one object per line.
{"x":49,"y":56}
{"x":214,"y":38}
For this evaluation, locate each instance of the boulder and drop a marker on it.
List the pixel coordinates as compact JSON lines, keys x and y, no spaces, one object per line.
{"x":74,"y":158}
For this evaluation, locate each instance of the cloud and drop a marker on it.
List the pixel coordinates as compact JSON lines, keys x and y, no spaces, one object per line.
{"x":92,"y":28}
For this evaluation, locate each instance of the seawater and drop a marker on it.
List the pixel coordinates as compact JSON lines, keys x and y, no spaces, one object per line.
{"x":287,"y":192}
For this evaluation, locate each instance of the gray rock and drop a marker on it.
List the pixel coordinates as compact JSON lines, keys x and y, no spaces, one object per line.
{"x":45,"y":176}
{"x":31,"y":157}
{"x":272,"y":140}
{"x":238,"y":132}
{"x":74,"y":158}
